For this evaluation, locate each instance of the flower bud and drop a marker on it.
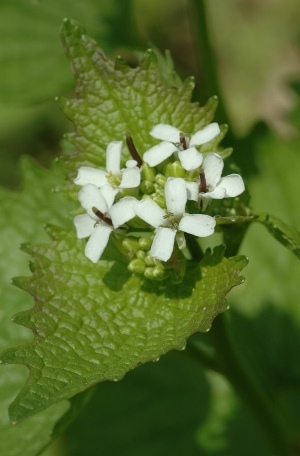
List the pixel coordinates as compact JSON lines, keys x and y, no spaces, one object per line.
{"x":148,"y":173}
{"x":147,"y":187}
{"x":130,"y":245}
{"x":137,"y":266}
{"x":161,"y":180}
{"x":145,"y":243}
{"x":175,"y":170}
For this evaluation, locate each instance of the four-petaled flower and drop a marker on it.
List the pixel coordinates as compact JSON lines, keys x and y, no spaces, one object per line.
{"x":173,"y":140}
{"x":211,"y":185}
{"x":169,"y":223}
{"x":114,"y":178}
{"x":101,"y":219}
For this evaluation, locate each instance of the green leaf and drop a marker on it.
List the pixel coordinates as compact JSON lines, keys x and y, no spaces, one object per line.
{"x":91,"y":323}
{"x":22,"y":215}
{"x":284,"y":233}
{"x":112,"y":98}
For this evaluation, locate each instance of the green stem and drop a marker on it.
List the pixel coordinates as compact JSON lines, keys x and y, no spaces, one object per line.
{"x":261,"y":405}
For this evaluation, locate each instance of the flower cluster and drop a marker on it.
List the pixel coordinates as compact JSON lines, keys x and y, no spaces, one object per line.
{"x":148,"y":210}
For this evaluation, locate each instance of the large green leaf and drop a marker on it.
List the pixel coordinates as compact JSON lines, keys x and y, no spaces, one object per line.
{"x":22,"y":217}
{"x":92,"y":323}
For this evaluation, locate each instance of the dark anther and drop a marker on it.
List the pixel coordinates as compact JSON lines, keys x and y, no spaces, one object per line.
{"x":183,"y":141}
{"x":133,"y":152}
{"x":102,"y":216}
{"x":203,"y":185}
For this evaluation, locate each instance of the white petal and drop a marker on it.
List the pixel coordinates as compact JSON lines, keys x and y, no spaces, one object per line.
{"x":85,"y":225}
{"x":87,"y":175}
{"x":176,"y":195}
{"x":97,"y":242}
{"x":131,"y":163}
{"x":197,"y":224}
{"x":163,"y":243}
{"x":113,"y":156}
{"x":213,"y":166}
{"x":159,"y":153}
{"x":233,"y":185}
{"x":192,"y":190}
{"x":90,"y":196}
{"x":217,"y":193}
{"x":166,"y":132}
{"x":109,"y":194}
{"x":123,"y":211}
{"x":205,"y":135}
{"x":150,"y":212}
{"x":190,"y":158}
{"x":131,"y":178}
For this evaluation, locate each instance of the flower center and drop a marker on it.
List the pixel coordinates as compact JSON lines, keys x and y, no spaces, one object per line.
{"x":114,"y":179}
{"x":172,"y":222}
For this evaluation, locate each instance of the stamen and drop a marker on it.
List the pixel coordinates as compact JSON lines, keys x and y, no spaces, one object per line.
{"x":203,"y":186}
{"x":183,"y":141}
{"x":133,"y":152}
{"x":102,"y":216}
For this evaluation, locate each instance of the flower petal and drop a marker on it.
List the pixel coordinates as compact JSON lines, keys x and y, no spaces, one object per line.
{"x":163,"y":244}
{"x":97,"y":242}
{"x":113,"y":156}
{"x":217,"y":193}
{"x":232,"y":184}
{"x":197,"y":224}
{"x":131,"y":163}
{"x":192,"y":190}
{"x":159,"y":153}
{"x":166,"y":132}
{"x":150,"y":212}
{"x":85,"y":225}
{"x":190,"y":158}
{"x":213,"y":166}
{"x":176,"y":195}
{"x":88,"y":175}
{"x":90,"y":196}
{"x":205,"y":135}
{"x":123,"y":211}
{"x":131,"y":178}
{"x":109,"y":194}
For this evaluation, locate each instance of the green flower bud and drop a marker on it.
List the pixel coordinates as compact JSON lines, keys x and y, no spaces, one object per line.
{"x":150,"y":261}
{"x":137,"y":266}
{"x":140,"y":254}
{"x":156,"y":273}
{"x":145,"y":243}
{"x":148,"y":173}
{"x":160,"y":200}
{"x":147,"y":187}
{"x":175,"y":170}
{"x":161,"y":180}
{"x":130,"y":245}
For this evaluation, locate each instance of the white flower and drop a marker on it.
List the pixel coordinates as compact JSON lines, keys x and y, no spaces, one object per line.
{"x":98,"y":226}
{"x":173,"y":140}
{"x":211,"y":185}
{"x":169,"y":223}
{"x":113,"y":178}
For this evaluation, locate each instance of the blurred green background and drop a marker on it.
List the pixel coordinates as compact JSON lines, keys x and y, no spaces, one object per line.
{"x":174,"y":406}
